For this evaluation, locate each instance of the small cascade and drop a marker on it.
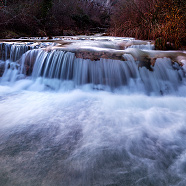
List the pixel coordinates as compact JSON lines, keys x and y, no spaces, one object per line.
{"x":64,"y":66}
{"x":11,"y":72}
{"x":13,"y":52}
{"x":21,"y":68}
{"x":164,"y":78}
{"x":56,"y":67}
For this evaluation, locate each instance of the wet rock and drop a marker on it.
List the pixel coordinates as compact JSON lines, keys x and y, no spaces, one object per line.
{"x":146,"y":63}
{"x":2,"y":68}
{"x":95,"y":55}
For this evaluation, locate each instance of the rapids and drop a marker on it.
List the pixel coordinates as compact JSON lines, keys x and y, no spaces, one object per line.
{"x":79,"y":122}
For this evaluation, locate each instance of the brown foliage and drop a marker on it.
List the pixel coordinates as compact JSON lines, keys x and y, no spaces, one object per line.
{"x":150,"y":19}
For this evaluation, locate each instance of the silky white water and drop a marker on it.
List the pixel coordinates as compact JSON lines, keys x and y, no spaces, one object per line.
{"x":84,"y":137}
{"x":76,"y":122}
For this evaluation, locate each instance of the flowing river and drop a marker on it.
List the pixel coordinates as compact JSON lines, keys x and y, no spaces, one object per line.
{"x":65,"y":120}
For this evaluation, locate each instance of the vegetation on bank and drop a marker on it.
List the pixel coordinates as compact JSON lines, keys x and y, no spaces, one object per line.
{"x":161,"y":20}
{"x":51,"y":17}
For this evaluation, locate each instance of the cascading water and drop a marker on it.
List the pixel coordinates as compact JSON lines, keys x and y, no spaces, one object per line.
{"x":56,"y":67}
{"x":107,"y":122}
{"x":64,"y":66}
{"x":9,"y":54}
{"x":13,"y":52}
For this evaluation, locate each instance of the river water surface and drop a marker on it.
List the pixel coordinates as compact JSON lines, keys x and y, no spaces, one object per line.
{"x":88,"y":136}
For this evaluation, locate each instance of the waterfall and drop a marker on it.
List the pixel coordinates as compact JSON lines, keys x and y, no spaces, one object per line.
{"x":13,"y":52}
{"x":65,"y":66}
{"x":67,"y":120}
{"x":56,"y":67}
{"x":9,"y":54}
